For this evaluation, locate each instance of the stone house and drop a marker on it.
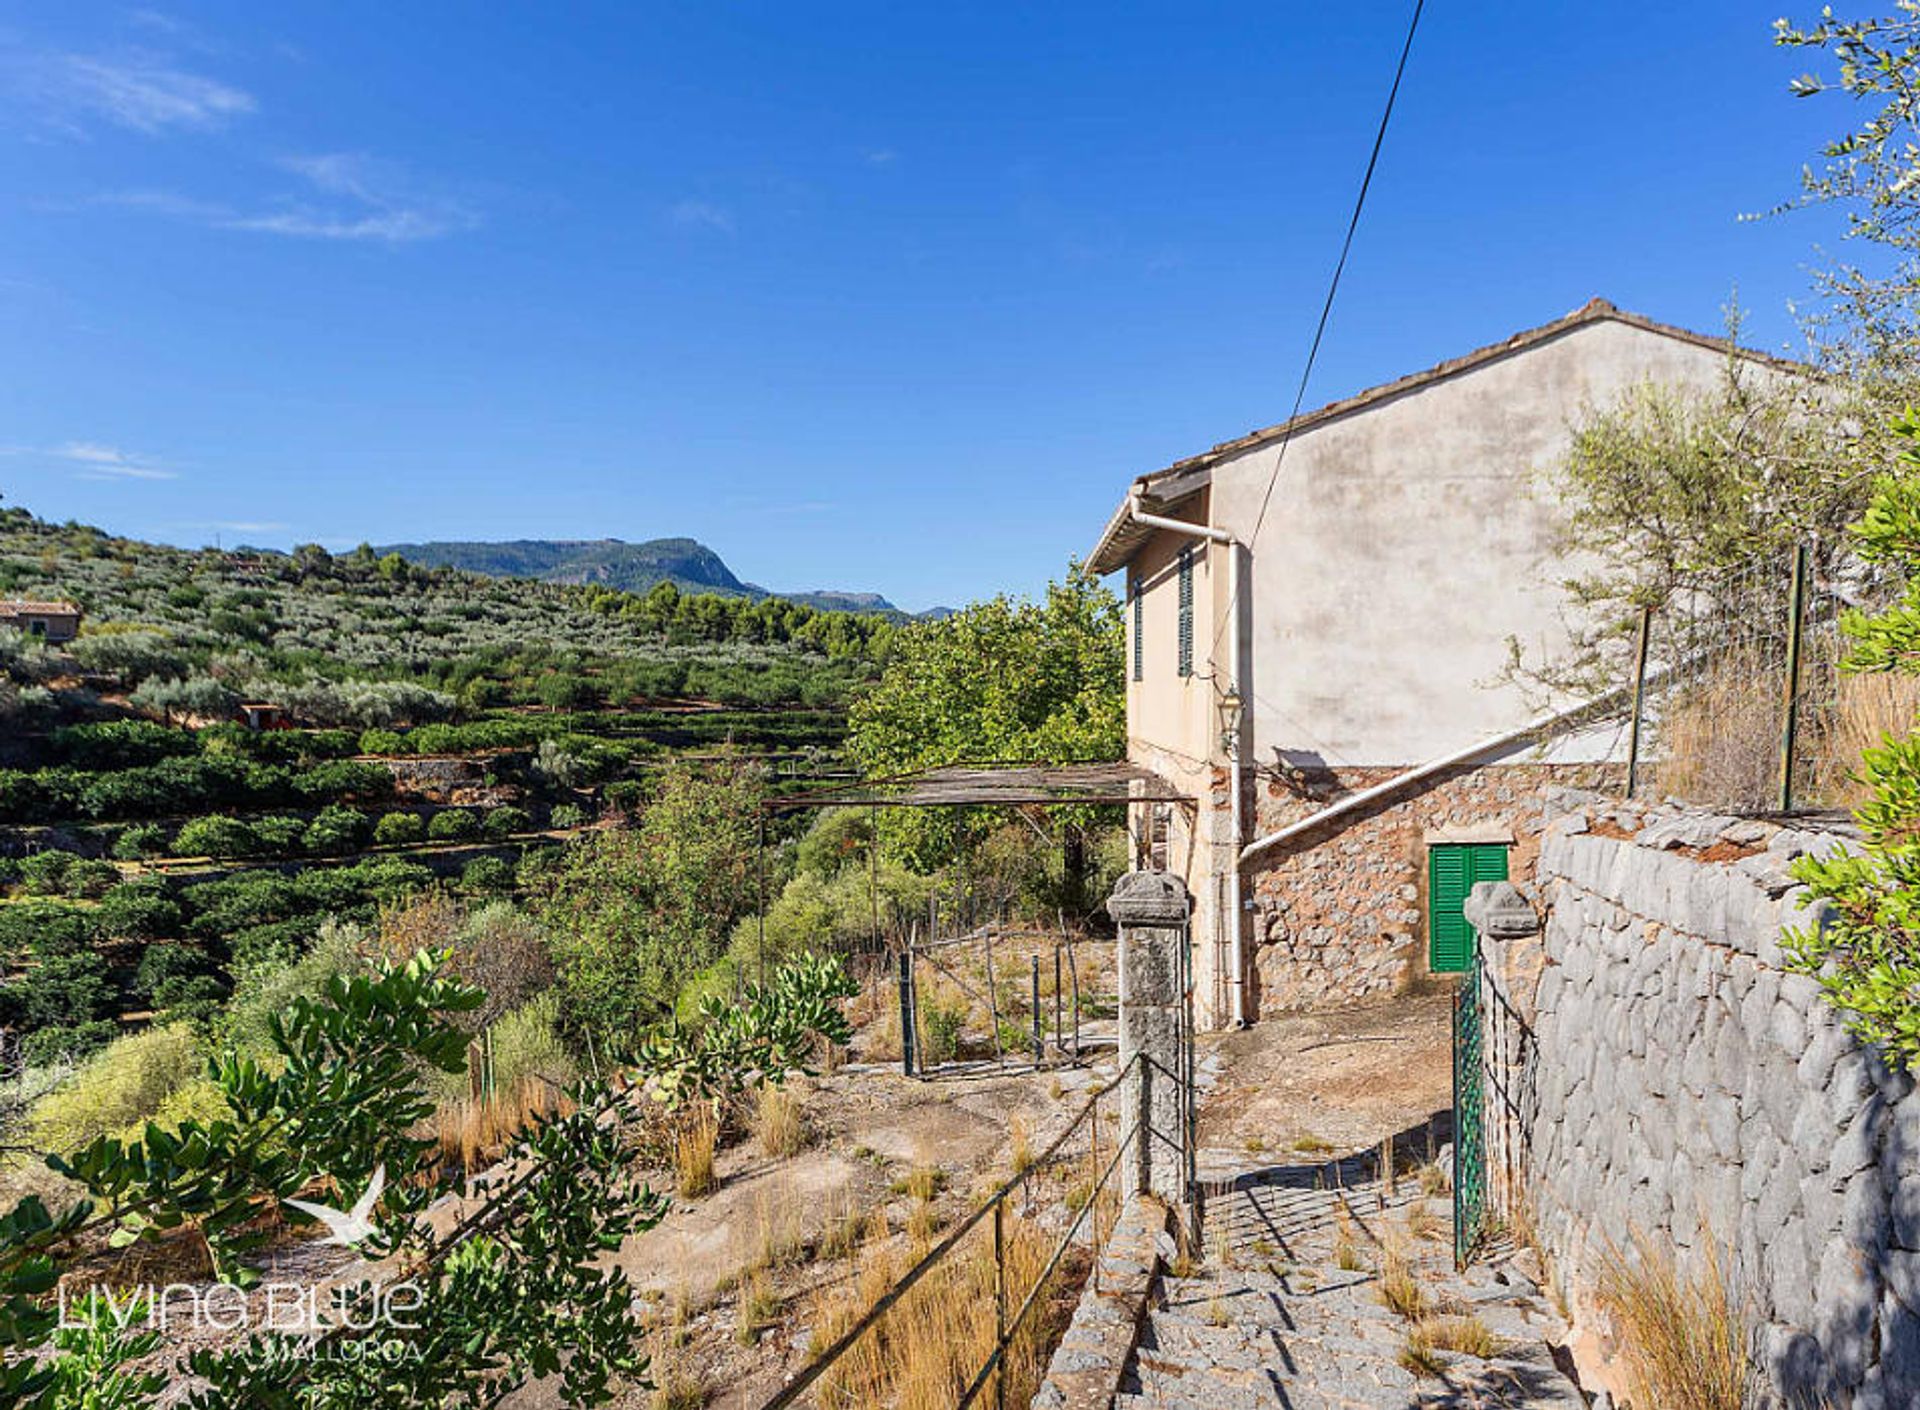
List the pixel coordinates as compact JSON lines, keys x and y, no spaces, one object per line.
{"x":54,"y":622}
{"x":1319,"y":615}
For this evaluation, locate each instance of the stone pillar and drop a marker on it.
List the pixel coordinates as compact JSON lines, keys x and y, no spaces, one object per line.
{"x":1151,"y":909}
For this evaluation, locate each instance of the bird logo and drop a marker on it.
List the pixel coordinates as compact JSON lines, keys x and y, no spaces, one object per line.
{"x":353,"y":1227}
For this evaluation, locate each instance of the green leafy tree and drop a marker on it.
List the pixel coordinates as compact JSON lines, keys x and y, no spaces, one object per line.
{"x":1867,"y":954}
{"x":1007,"y":680}
{"x":634,"y":912}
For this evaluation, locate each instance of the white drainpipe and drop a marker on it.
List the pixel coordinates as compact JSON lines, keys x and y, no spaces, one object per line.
{"x":1541,"y":725}
{"x":1236,"y":953}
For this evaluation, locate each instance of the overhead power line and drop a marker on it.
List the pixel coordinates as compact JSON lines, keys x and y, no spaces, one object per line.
{"x":1326,"y":307}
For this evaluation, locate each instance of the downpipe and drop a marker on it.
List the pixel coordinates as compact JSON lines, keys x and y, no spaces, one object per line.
{"x":1236,"y":944}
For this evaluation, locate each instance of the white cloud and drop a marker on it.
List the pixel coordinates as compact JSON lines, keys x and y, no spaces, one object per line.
{"x":368,"y":200}
{"x":141,"y":92}
{"x":882,"y":156}
{"x":104,"y":462}
{"x":700,"y":215}
{"x":350,"y":196}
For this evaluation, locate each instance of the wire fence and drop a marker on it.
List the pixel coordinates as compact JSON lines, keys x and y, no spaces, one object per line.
{"x":1741,"y":699}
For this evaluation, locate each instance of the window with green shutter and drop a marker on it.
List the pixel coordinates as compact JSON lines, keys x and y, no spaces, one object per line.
{"x":1453,"y":868}
{"x":1186,"y":611}
{"x":1139,"y":650}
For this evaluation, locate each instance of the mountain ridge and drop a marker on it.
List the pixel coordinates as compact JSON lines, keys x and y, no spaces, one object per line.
{"x":630,"y":566}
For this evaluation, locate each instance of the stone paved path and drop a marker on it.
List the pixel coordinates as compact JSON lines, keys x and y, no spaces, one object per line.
{"x":1270,"y":1319}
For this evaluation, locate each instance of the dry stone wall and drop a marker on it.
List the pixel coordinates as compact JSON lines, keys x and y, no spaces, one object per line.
{"x":1678,"y":1083}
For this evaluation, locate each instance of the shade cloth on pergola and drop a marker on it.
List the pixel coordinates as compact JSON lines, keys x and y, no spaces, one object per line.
{"x":997,"y":786}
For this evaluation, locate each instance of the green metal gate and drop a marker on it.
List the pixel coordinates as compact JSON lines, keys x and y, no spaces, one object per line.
{"x":1469,"y":1116}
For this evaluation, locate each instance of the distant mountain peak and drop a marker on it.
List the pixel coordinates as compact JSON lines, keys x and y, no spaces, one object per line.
{"x":616,"y":563}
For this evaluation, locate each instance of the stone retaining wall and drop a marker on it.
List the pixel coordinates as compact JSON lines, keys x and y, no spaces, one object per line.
{"x":1086,"y":1368}
{"x":1672,"y":1079}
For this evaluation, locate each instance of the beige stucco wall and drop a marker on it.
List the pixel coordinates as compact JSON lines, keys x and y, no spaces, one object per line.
{"x":1405,"y":543}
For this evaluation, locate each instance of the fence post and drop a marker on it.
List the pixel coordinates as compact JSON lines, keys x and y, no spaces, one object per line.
{"x":1639,"y":699}
{"x":1039,"y":1042}
{"x":1151,"y":911}
{"x":906,"y":1010}
{"x":1790,"y":726}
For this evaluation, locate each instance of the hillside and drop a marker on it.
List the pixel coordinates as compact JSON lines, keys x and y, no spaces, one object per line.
{"x":631,"y":567}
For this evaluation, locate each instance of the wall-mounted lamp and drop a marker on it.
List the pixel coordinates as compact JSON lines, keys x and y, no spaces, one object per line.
{"x":1230,"y":707}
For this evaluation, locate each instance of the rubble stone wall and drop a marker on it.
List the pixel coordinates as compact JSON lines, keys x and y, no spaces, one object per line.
{"x":1338,"y":914}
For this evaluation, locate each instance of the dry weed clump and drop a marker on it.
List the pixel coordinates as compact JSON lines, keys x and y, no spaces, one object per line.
{"x":1719,"y":736}
{"x":472,"y":1132}
{"x":694,"y":1141}
{"x":779,"y":1121}
{"x":1400,"y":1289}
{"x":1682,"y":1341}
{"x":923,"y":1352}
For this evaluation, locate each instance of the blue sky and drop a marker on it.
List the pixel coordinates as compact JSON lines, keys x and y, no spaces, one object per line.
{"x":873,"y":296}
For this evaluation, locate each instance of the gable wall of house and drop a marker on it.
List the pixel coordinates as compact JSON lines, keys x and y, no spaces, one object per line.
{"x":1406,"y":542}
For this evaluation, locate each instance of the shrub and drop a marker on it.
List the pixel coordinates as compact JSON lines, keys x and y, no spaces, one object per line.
{"x":88,"y":879}
{"x":62,"y":991}
{"x":506,"y":820}
{"x":398,"y":829}
{"x":42,"y":928}
{"x":119,"y":1089}
{"x":280,"y":834}
{"x":453,"y":825}
{"x":140,"y":841}
{"x":566,"y":815}
{"x":45,"y":873}
{"x":487,"y":875}
{"x":135,"y":910}
{"x":215,"y":837}
{"x":381,"y":741}
{"x":121,"y":744}
{"x":67,"y":1042}
{"x":265,"y":989}
{"x":336,"y":831}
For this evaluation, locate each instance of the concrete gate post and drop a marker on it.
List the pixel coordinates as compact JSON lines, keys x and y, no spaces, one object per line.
{"x":1151,"y":909}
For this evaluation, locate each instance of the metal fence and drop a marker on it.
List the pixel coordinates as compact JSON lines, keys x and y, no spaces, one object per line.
{"x":1740,"y":699}
{"x":1103,"y":1157}
{"x":1044,"y":995}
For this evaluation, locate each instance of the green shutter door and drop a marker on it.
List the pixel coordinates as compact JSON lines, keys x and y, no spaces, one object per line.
{"x":1452,"y":870}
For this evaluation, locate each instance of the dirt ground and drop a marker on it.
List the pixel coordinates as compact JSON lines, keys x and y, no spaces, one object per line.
{"x":1332,"y":1081}
{"x":869,"y":1129}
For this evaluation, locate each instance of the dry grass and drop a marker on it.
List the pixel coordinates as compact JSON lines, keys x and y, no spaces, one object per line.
{"x":1433,"y":1179}
{"x":779,"y":1121}
{"x":1020,"y":1147}
{"x":1683,"y":1344}
{"x":1346,"y":1255}
{"x":1465,"y":1334}
{"x":693,"y":1147}
{"x":921,"y":1355}
{"x":674,"y":1387}
{"x":1870,"y":709}
{"x":472,"y":1133}
{"x":1400,"y":1290}
{"x":758,"y":1309}
{"x":1719,"y":736}
{"x":1423,"y":1223}
{"x":1312,"y":1145}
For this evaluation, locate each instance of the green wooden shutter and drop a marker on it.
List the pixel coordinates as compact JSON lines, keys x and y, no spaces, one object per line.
{"x":1139,"y":650}
{"x":1186,"y":611}
{"x":1452,"y":871}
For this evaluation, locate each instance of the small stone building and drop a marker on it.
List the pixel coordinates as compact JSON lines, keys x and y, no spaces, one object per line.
{"x":55,"y":622}
{"x":1319,"y":615}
